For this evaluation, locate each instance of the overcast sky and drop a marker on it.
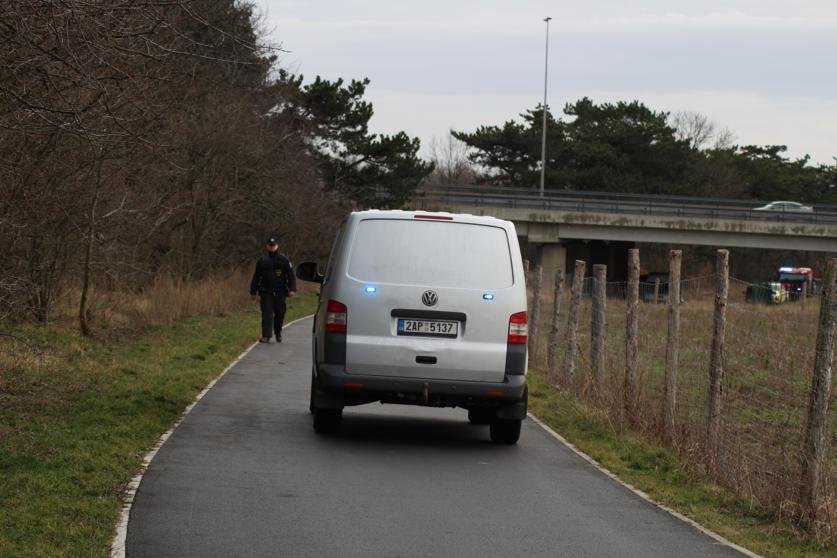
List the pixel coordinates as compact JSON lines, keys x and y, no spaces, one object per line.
{"x":765,"y":69}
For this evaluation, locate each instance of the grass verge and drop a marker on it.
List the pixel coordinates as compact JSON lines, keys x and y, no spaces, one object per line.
{"x":75,"y":426}
{"x":656,"y":470}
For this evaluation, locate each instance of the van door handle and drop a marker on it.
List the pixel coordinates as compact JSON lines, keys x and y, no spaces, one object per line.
{"x":426,"y":359}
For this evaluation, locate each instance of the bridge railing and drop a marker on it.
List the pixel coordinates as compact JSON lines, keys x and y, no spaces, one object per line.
{"x":608,"y":202}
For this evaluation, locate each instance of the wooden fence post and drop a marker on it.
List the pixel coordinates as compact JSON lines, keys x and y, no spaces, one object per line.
{"x":672,"y":344}
{"x":716,"y":356}
{"x":535,"y":317}
{"x":554,"y":336}
{"x":597,"y":336}
{"x":631,"y":333}
{"x":572,"y":326}
{"x":816,"y":427}
{"x":656,"y":290}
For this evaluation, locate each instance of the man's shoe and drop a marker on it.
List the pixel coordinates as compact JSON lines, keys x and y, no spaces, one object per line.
{"x":279,"y":338}
{"x":264,"y":339}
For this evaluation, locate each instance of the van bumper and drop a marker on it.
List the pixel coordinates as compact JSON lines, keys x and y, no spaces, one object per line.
{"x":337,"y":389}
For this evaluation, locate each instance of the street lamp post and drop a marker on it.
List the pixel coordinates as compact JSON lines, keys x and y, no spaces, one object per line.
{"x":543,"y":140}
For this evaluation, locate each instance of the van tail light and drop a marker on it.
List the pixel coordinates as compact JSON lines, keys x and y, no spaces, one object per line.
{"x":336,"y":317}
{"x":518,"y":328}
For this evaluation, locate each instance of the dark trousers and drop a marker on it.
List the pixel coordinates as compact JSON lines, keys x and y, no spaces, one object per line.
{"x":273,"y":313}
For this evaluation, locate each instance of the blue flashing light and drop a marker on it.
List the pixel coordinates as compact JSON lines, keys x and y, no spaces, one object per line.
{"x":370,"y":290}
{"x":488,"y":296}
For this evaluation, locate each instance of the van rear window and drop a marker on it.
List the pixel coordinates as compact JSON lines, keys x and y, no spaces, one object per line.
{"x":431,"y":253}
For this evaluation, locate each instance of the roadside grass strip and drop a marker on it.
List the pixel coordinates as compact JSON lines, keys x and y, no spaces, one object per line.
{"x":655,"y":471}
{"x":75,"y":429}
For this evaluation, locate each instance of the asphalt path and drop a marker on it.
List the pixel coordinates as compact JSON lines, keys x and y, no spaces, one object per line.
{"x":245,"y":475}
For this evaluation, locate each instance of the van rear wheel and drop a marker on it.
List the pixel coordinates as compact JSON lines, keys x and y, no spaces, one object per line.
{"x":313,"y":387}
{"x":327,"y":421}
{"x":480,"y":416}
{"x":505,"y":431}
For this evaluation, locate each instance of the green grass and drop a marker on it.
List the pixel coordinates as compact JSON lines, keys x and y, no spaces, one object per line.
{"x":76,"y":422}
{"x":656,"y":470}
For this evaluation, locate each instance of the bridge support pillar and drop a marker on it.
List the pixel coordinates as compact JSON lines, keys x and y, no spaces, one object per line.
{"x":553,"y":258}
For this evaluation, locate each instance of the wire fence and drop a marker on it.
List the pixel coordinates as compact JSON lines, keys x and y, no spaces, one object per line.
{"x":768,"y":363}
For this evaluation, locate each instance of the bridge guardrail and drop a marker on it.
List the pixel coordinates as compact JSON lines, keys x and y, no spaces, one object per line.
{"x":583,"y":194}
{"x":590,"y":202}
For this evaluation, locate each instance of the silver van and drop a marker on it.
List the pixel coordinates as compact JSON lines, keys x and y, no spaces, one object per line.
{"x":425,"y":309}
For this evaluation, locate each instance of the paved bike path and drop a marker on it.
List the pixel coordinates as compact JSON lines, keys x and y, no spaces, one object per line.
{"x":245,"y":475}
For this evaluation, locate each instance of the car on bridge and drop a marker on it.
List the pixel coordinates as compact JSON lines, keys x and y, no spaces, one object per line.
{"x":421,"y":308}
{"x":785,"y":206}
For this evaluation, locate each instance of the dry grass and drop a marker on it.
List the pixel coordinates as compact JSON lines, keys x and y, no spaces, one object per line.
{"x":164,"y":301}
{"x":769,"y":360}
{"x":32,"y":357}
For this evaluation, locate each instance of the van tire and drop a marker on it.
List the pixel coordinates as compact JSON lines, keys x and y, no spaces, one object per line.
{"x":505,"y":431}
{"x":313,"y":387}
{"x":327,"y":421}
{"x":481,"y":415}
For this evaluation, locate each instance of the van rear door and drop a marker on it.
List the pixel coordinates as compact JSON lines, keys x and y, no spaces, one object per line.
{"x":430,"y":298}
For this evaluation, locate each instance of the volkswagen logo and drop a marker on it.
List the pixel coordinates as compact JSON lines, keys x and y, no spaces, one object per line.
{"x":429,"y":298}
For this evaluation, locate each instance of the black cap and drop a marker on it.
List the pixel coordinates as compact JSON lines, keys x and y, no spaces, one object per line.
{"x":271,"y":240}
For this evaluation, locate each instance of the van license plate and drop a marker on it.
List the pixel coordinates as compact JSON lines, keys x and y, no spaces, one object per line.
{"x":428,"y":328}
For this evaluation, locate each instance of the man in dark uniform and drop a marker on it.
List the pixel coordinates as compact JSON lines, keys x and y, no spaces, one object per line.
{"x":272,"y":281}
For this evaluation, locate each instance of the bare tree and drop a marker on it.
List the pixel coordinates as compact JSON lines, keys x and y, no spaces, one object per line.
{"x":724,"y":139}
{"x":450,"y":158}
{"x":694,"y":127}
{"x":138,"y":139}
{"x":700,"y":131}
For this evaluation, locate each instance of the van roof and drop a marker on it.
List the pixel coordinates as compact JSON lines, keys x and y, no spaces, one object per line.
{"x":401,"y":214}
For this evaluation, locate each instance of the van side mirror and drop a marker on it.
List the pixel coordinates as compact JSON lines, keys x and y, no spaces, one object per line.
{"x":307,"y":271}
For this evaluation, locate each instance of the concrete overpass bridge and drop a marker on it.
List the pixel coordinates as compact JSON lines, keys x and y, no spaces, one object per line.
{"x":552,"y":223}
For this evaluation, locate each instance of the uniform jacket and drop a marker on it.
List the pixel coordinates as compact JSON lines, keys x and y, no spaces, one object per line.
{"x":274,"y":274}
